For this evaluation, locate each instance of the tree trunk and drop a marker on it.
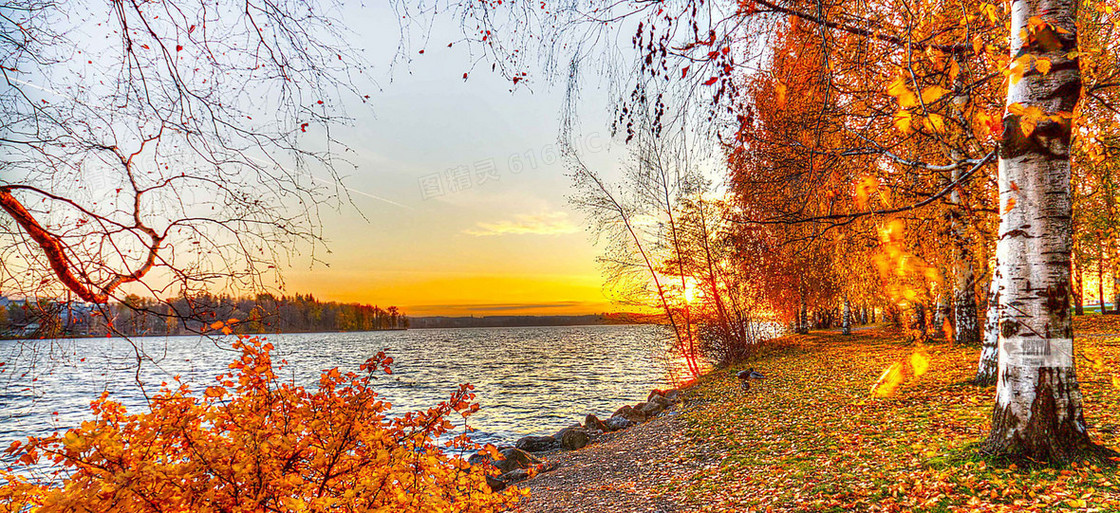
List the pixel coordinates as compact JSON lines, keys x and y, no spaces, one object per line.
{"x":936,"y":310}
{"x":1078,"y":291}
{"x":802,"y":315}
{"x":1100,"y":274}
{"x":1038,"y":413}
{"x":988,"y":367}
{"x":966,"y":328}
{"x":1115,"y":287}
{"x":847,"y":316}
{"x":919,"y":324}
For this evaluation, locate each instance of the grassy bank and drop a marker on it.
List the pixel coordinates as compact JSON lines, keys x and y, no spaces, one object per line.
{"x":811,"y":437}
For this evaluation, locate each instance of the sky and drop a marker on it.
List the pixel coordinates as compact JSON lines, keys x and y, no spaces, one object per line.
{"x":459,"y":202}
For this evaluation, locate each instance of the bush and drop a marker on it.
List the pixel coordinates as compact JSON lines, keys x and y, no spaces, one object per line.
{"x":252,"y":443}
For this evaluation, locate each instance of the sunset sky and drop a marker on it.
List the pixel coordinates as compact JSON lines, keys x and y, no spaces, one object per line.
{"x":453,"y":228}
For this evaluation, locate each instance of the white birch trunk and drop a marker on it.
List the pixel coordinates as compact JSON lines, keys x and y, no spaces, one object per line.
{"x":1115,"y":288}
{"x":966,"y":328}
{"x":938,"y":309}
{"x":847,"y":316}
{"x":1038,"y":412}
{"x":988,"y":367}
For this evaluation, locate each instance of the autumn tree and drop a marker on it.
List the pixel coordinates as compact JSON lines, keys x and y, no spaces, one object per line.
{"x":920,"y":99}
{"x":1038,"y":411}
{"x":138,"y":160}
{"x":254,"y":442}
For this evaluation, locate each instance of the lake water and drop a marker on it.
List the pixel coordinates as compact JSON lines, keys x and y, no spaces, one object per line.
{"x":532,"y":380}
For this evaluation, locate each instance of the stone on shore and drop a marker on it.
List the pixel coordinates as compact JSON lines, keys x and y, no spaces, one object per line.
{"x":629,"y":413}
{"x":661,"y":401}
{"x":650,"y":409}
{"x":480,"y":459}
{"x":514,"y":459}
{"x":537,"y":443}
{"x":593,"y":423}
{"x":618,"y":423}
{"x":514,"y":476}
{"x":574,"y":438}
{"x":496,"y":484}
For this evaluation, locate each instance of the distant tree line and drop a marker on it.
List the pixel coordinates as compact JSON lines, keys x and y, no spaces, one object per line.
{"x":505,"y":321}
{"x":140,"y":316}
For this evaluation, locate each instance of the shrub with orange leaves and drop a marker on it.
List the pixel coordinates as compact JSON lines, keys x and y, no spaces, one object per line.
{"x":254,"y":443}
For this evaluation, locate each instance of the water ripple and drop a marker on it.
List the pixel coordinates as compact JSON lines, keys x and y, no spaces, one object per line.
{"x":529,"y":380}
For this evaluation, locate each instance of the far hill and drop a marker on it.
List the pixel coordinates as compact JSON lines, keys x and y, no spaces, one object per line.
{"x":507,"y":321}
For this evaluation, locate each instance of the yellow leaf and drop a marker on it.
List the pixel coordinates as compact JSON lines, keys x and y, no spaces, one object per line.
{"x":1116,"y":381}
{"x":780,"y":91}
{"x":991,"y":11}
{"x":888,"y":383}
{"x":1016,"y":70}
{"x":902,"y":94}
{"x":1042,"y":65}
{"x":936,"y":123}
{"x":919,"y":361}
{"x":1010,"y":205}
{"x":864,"y":188}
{"x":902,"y":121}
{"x":933,"y":93}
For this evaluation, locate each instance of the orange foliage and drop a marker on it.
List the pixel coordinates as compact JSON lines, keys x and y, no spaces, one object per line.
{"x":906,"y":277}
{"x":253,"y":443}
{"x":897,"y":373}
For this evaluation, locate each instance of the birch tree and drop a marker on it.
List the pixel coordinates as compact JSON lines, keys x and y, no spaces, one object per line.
{"x":988,"y":366}
{"x":1038,"y":413}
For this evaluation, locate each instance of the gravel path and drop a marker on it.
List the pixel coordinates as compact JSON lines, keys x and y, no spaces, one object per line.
{"x":623,"y":472}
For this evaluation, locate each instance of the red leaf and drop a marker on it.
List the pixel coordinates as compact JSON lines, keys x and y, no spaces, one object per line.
{"x":684,"y":72}
{"x":711,"y":81}
{"x":178,"y":48}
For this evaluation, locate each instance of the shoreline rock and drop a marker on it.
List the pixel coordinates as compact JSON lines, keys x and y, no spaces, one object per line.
{"x":521,"y":462}
{"x":537,"y":443}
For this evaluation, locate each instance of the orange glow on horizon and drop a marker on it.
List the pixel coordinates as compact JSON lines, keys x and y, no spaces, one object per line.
{"x":459,"y":295}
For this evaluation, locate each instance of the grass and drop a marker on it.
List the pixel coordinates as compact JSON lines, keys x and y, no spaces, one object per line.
{"x":811,"y":437}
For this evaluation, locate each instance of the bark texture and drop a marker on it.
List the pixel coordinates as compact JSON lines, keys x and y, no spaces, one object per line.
{"x":847,"y":317}
{"x":966,"y":327}
{"x":1038,"y":414}
{"x":987,"y":369}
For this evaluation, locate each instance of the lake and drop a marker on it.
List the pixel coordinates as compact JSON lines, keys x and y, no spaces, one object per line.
{"x":531,"y":380}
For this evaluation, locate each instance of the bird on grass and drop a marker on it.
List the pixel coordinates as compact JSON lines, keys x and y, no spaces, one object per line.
{"x":746,"y":376}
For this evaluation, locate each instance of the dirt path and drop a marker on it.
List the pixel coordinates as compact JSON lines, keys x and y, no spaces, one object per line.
{"x":624,"y":472}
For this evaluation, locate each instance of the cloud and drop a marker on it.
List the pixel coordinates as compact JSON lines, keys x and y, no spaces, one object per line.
{"x":545,"y":223}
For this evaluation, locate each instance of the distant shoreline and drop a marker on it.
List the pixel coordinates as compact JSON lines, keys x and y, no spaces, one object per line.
{"x":517,"y":321}
{"x":426,"y":323}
